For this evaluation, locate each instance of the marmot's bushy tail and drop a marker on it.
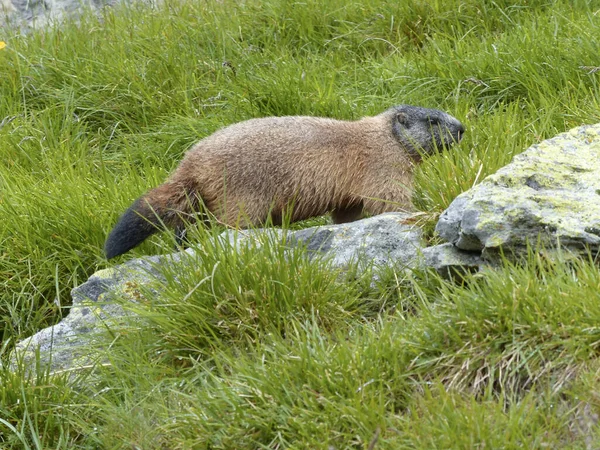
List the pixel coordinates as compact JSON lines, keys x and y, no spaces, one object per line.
{"x":164,"y":206}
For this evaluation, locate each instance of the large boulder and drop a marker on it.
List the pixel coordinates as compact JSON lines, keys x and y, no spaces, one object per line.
{"x":548,"y":195}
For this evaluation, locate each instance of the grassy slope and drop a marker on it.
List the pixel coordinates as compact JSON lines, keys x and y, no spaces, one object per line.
{"x":96,"y":113}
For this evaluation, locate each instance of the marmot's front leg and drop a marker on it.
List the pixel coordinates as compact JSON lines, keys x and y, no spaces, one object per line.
{"x":391,"y":197}
{"x":348,"y":214}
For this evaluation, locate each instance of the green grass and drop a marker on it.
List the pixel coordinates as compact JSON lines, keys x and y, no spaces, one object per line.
{"x":272,"y":351}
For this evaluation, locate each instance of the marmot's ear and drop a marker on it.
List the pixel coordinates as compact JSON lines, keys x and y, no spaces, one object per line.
{"x":403,"y":119}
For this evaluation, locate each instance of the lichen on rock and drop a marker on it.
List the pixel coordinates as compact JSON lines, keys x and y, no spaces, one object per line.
{"x":548,"y":194}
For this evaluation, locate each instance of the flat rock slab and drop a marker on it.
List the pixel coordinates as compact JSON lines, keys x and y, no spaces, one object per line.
{"x":80,"y":339}
{"x":72,"y":341}
{"x":550,"y":192}
{"x":385,"y":239}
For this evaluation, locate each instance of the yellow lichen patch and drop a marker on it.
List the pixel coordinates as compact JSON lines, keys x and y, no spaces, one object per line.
{"x":591,"y":132}
{"x":105,"y":273}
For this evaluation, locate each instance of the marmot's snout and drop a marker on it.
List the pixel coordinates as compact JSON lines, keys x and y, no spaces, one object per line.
{"x":460,"y":131}
{"x":452,"y":132}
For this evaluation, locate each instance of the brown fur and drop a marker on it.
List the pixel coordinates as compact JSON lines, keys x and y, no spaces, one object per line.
{"x":253,"y":170}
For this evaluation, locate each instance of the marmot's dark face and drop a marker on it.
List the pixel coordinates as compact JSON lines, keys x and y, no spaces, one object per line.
{"x":424,"y":131}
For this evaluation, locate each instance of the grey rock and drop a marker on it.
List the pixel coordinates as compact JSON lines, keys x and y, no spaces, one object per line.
{"x":550,"y":193}
{"x":380,"y":240}
{"x":25,"y":14}
{"x":79,"y":339}
{"x":451,"y":262}
{"x":6,"y":7}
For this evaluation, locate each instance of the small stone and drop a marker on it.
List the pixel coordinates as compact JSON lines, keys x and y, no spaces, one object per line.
{"x":450,"y":262}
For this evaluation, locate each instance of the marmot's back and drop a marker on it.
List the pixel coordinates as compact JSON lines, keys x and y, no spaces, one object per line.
{"x":277,"y":135}
{"x":272,"y":160}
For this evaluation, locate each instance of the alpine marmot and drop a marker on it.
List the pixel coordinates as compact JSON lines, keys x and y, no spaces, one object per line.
{"x":297,"y":166}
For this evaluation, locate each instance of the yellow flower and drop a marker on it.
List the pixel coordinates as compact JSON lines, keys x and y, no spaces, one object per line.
{"x":2,"y":45}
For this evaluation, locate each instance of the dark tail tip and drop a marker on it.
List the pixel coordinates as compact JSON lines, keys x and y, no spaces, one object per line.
{"x":131,"y":230}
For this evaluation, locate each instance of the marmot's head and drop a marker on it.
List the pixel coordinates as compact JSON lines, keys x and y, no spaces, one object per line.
{"x":424,"y":131}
